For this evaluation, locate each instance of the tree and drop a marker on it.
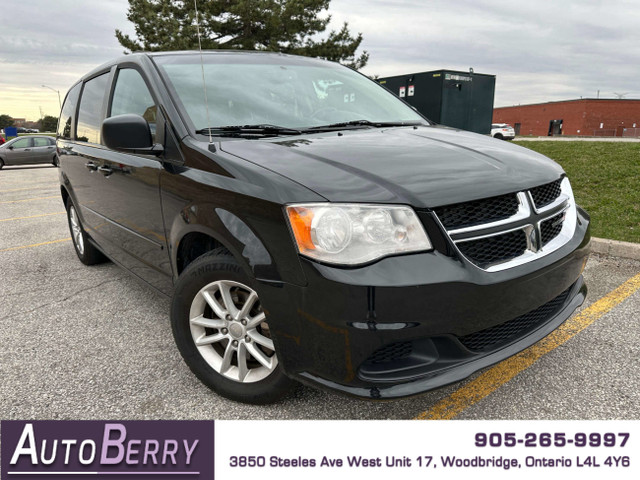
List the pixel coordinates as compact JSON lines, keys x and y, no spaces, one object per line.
{"x":287,"y":26}
{"x":48,"y":123}
{"x":5,"y":121}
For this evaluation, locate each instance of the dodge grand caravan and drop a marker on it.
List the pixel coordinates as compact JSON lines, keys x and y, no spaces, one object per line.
{"x":310,"y":226}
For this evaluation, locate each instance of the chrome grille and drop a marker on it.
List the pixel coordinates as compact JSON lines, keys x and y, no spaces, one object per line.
{"x":508,"y":230}
{"x":498,"y":248}
{"x":468,"y":214}
{"x":550,"y":229}
{"x":546,"y":194}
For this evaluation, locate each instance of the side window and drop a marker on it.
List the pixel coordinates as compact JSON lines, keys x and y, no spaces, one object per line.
{"x":90,"y":112}
{"x":41,"y":142}
{"x":69,"y":108}
{"x":131,"y":95}
{"x":22,"y":143}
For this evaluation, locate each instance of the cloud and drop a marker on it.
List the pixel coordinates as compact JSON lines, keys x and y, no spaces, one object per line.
{"x":54,"y":43}
{"x":539,"y":50}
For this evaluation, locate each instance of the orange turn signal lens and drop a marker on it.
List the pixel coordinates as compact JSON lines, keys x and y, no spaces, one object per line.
{"x":300,"y":220}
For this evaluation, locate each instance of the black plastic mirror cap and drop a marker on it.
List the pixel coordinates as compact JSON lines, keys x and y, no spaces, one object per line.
{"x":127,"y":132}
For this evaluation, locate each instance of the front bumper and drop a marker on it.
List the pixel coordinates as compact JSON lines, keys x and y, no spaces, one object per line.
{"x":401,"y":326}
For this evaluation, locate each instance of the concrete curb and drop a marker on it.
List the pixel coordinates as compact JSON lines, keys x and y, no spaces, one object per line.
{"x":615,"y":248}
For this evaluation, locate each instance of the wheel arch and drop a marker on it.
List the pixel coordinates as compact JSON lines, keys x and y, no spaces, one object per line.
{"x":65,"y":195}
{"x":228,"y":231}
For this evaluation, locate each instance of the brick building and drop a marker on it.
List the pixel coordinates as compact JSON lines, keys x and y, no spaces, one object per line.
{"x":588,"y":117}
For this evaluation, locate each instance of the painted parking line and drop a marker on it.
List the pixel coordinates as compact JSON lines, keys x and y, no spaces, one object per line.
{"x":36,"y":186}
{"x":30,"y":199}
{"x":496,"y":376}
{"x":31,"y":216}
{"x":35,"y":245}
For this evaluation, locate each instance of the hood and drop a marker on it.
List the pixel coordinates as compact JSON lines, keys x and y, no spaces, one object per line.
{"x":424,"y":167}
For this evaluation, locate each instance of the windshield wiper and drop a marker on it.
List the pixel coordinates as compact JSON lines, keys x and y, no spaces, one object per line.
{"x":361,"y":123}
{"x":258,"y":130}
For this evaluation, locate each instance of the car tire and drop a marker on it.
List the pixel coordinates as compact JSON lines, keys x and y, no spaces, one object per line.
{"x":1,"y":164}
{"x":221,"y":331}
{"x":86,"y":251}
{"x":55,"y":162}
{"x":498,"y":136}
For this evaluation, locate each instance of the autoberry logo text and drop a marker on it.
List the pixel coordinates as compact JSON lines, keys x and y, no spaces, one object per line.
{"x":135,"y":449}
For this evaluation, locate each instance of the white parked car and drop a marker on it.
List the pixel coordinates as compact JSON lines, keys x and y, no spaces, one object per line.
{"x":503,"y":131}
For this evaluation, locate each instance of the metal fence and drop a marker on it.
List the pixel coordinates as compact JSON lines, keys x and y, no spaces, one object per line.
{"x":631,"y":132}
{"x":612,"y":132}
{"x":604,"y":132}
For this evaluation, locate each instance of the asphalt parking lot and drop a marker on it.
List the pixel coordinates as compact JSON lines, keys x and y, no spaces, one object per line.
{"x":93,"y":343}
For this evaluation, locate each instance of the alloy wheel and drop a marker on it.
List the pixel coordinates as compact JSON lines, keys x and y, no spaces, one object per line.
{"x":228,"y":327}
{"x":76,"y":230}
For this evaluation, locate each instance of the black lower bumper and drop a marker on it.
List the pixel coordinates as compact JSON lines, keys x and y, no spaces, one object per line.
{"x":408,"y":324}
{"x":444,"y":371}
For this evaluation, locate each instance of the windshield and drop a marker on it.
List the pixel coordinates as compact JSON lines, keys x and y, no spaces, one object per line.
{"x":255,"y":89}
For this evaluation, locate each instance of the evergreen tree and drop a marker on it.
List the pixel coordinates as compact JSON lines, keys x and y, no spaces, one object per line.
{"x":287,"y":26}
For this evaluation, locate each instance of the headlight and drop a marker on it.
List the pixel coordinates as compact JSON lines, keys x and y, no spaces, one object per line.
{"x":351,"y":234}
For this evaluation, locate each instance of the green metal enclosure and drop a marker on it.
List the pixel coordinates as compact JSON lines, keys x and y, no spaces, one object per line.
{"x":456,"y":99}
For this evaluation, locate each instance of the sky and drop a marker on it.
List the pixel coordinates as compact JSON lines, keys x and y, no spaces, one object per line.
{"x":539,"y":50}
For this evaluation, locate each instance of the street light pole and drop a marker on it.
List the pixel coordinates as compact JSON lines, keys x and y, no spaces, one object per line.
{"x":57,"y":91}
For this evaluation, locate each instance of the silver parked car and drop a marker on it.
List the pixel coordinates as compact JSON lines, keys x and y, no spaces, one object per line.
{"x":28,"y":151}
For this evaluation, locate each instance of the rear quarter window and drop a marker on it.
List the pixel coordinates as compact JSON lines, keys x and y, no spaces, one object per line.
{"x":68,"y":110}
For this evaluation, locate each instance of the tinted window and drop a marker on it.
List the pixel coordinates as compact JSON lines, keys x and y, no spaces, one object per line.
{"x":131,"y":95}
{"x":69,"y":108}
{"x":90,"y":113}
{"x":22,"y":143}
{"x":41,"y":142}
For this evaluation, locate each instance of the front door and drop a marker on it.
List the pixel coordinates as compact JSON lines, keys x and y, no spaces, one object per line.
{"x":128,"y":197}
{"x":19,"y":152}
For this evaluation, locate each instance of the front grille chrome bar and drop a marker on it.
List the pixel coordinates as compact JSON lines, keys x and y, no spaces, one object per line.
{"x":528,"y":219}
{"x":524,"y":211}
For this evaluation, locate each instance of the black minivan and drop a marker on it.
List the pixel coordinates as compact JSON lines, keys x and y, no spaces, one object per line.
{"x":311,"y":226}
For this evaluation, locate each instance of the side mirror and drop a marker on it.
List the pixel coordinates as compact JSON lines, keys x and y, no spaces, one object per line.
{"x":129,"y":133}
{"x":10,"y":147}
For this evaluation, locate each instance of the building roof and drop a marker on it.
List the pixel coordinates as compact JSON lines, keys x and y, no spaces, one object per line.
{"x":574,"y":100}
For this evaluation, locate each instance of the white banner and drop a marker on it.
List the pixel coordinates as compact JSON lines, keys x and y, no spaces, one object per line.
{"x":427,"y":449}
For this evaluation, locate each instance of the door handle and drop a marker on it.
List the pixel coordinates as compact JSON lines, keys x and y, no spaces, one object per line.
{"x":106,"y":171}
{"x":91,"y":166}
